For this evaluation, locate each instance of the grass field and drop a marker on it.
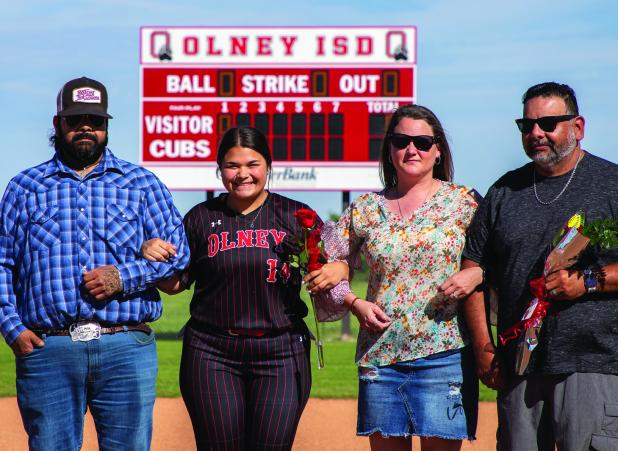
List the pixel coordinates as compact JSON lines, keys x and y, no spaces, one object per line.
{"x":337,"y":380}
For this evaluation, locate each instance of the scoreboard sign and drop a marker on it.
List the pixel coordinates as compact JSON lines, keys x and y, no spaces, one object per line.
{"x":322,"y":96}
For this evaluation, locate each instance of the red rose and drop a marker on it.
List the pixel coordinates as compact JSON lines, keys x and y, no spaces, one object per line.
{"x":313,"y":253}
{"x":306,"y":218}
{"x":313,"y":239}
{"x":314,"y":266}
{"x":314,"y":259}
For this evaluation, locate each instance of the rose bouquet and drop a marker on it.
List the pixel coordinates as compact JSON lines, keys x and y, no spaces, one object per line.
{"x":568,"y":245}
{"x":308,"y":257}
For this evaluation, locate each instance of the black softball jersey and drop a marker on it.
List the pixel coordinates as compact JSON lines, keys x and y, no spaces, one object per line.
{"x":241,"y":280}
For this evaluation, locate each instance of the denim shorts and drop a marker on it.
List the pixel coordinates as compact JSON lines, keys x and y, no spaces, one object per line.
{"x":436,"y":396}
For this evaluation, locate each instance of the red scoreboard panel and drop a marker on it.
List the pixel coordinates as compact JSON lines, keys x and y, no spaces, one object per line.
{"x":322,"y":96}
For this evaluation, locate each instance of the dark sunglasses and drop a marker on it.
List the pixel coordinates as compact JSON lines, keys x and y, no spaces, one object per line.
{"x":546,"y":123}
{"x":421,"y":142}
{"x":74,"y":121}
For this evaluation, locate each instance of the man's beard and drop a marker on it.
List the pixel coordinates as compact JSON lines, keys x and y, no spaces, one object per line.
{"x":83,"y":153}
{"x":556,"y":154}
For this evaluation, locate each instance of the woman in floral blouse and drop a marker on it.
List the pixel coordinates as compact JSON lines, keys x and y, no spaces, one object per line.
{"x":416,"y":373}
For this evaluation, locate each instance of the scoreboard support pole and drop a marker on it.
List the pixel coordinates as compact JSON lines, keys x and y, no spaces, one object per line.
{"x":346,"y":331}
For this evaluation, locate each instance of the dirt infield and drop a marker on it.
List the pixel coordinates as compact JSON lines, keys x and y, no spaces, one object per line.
{"x":326,"y":425}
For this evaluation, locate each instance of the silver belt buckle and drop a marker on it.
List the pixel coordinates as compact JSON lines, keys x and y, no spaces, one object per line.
{"x":85,"y":331}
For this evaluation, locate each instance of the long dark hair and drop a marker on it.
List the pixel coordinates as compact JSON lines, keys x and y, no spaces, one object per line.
{"x":443,"y":170}
{"x":248,"y":137}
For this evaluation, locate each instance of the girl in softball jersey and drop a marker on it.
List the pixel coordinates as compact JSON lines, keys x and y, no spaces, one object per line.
{"x":245,"y":375}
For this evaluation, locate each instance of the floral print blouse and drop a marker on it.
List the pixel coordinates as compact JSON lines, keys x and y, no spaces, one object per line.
{"x":408,"y":259}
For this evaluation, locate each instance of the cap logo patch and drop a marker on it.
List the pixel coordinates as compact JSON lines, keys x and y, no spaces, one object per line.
{"x":87,"y":95}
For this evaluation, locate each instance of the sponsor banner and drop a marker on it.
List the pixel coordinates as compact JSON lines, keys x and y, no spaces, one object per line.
{"x":284,"y":177}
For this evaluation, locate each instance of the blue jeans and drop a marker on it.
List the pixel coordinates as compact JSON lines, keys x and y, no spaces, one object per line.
{"x":114,"y":377}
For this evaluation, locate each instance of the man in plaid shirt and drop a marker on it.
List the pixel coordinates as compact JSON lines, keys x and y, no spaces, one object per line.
{"x":74,"y":293}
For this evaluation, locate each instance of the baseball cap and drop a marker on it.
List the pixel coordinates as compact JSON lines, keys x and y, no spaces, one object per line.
{"x":82,"y":96}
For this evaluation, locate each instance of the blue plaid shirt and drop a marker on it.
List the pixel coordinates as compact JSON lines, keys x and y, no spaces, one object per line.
{"x":54,"y":226}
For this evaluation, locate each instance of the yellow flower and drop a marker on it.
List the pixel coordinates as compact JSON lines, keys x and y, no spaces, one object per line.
{"x":576,"y":221}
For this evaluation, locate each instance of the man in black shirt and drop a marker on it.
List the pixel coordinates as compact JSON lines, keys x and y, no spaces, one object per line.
{"x":569,"y":394}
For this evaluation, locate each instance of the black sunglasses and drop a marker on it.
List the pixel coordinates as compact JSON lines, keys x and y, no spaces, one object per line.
{"x":74,"y":121}
{"x":546,"y":123}
{"x":421,"y":142}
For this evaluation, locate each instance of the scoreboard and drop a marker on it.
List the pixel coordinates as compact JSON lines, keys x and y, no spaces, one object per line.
{"x":322,"y":96}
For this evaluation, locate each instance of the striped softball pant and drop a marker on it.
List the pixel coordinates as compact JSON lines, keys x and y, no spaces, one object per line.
{"x":245,"y":393}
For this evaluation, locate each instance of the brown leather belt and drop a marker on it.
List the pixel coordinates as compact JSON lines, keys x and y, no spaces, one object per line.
{"x":104,"y":330}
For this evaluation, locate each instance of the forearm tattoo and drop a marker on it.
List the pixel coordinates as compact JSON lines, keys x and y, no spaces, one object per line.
{"x":111,"y":280}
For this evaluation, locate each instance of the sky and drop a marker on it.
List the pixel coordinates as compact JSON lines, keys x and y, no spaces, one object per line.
{"x":475,"y":60}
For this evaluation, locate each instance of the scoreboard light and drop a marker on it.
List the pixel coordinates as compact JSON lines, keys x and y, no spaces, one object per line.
{"x":226,"y":83}
{"x":390,"y":87}
{"x":225,"y":122}
{"x":324,"y":112}
{"x":319,"y":83}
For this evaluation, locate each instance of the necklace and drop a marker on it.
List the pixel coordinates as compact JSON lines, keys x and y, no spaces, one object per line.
{"x":563,"y":189}
{"x":424,"y":200}
{"x":259,"y":211}
{"x":258,"y":214}
{"x":82,"y":171}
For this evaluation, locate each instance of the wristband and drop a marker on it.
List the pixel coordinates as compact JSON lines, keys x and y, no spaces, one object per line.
{"x":590,"y":280}
{"x":352,"y":304}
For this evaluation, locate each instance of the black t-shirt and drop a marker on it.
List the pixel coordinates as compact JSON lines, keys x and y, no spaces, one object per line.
{"x":240,"y":281}
{"x":511,"y":235}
